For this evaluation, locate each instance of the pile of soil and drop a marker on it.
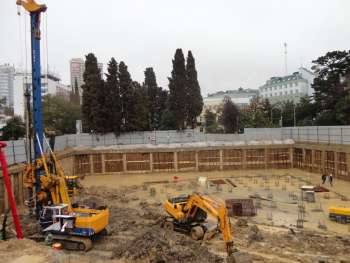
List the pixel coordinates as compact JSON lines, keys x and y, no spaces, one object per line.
{"x":158,"y":245}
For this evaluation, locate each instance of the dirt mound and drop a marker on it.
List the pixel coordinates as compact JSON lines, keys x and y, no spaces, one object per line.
{"x":158,"y":246}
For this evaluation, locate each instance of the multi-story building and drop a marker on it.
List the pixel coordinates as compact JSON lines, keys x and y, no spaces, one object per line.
{"x":291,"y":87}
{"x":50,"y":84}
{"x":240,"y":97}
{"x":77,"y":68}
{"x":7,"y":74}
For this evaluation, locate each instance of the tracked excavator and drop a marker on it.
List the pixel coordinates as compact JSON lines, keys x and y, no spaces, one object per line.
{"x":71,"y":225}
{"x":189,"y":214}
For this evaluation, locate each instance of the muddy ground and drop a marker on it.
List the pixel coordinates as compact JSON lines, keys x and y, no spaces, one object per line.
{"x":135,"y":235}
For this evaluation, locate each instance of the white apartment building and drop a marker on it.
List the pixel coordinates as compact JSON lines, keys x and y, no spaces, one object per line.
{"x":291,"y":87}
{"x":50,"y":84}
{"x":213,"y":102}
{"x":7,"y":75}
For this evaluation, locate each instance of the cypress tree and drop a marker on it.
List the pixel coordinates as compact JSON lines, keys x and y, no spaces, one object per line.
{"x":163,"y":97}
{"x":93,"y":108}
{"x":126,"y":96}
{"x":72,"y":95}
{"x":157,"y":98}
{"x":194,"y":100}
{"x":151,"y":87}
{"x":139,"y":115}
{"x":89,"y":77}
{"x":177,"y":87}
{"x":229,"y":117}
{"x":76,"y":92}
{"x":113,"y":98}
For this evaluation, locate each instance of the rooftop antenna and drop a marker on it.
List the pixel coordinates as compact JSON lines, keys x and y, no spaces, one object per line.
{"x":285,"y":58}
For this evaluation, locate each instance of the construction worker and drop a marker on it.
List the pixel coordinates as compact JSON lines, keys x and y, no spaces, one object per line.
{"x":331,"y":179}
{"x":324,"y":177}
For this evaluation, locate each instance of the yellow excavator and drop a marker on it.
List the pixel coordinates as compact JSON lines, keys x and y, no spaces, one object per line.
{"x":189,"y":213}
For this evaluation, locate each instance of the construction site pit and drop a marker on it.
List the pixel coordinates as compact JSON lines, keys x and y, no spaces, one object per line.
{"x":282,"y":227}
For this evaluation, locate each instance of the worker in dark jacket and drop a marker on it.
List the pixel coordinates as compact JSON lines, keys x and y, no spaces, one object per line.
{"x":324,"y":177}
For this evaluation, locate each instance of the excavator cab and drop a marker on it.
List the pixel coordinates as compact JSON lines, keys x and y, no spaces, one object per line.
{"x":188,"y":214}
{"x":49,"y":213}
{"x":72,"y":185}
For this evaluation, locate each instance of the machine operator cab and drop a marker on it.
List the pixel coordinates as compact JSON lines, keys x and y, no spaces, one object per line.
{"x":72,"y":185}
{"x":57,"y":218}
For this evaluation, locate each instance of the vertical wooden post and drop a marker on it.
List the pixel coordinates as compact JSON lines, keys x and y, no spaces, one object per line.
{"x":176,"y":167}
{"x":312,"y":159}
{"x":335,"y":164}
{"x":244,"y":159}
{"x":265,"y":158}
{"x":91,"y":159}
{"x":103,"y":162}
{"x":197,"y":161}
{"x":291,"y":157}
{"x":323,"y":160}
{"x":151,"y":161}
{"x":347,"y":165}
{"x":125,"y":167}
{"x":303,"y":159}
{"x":221,"y":159}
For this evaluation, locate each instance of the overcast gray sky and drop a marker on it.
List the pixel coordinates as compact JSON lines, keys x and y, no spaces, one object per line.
{"x":235,"y":43}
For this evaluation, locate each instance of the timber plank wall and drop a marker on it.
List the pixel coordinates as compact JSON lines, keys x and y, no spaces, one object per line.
{"x":312,"y":157}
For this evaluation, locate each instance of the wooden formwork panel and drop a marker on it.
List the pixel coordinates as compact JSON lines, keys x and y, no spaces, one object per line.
{"x":329,"y":162}
{"x":278,"y":158}
{"x":317,"y":165}
{"x":113,"y":162}
{"x":232,"y":159}
{"x":255,"y":158}
{"x":298,"y":158}
{"x":163,"y":161}
{"x":138,"y":161}
{"x":186,"y":159}
{"x":82,"y":164}
{"x":308,"y":160}
{"x":97,"y":163}
{"x":342,"y":171}
{"x":209,"y":160}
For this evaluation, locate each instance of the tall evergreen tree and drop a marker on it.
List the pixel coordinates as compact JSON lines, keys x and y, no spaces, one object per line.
{"x":194,"y":100}
{"x":139,"y":116}
{"x":229,"y":117}
{"x":76,"y":92}
{"x":113,"y":98}
{"x":157,"y":98}
{"x":93,"y":107}
{"x":177,"y":87}
{"x":126,"y":95}
{"x":331,"y":89}
{"x":151,"y":87}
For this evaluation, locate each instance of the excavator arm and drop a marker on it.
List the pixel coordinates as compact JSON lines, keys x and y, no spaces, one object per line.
{"x":214,"y":208}
{"x":186,"y":211}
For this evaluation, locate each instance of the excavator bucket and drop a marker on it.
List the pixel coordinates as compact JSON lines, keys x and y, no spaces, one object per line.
{"x":211,"y":231}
